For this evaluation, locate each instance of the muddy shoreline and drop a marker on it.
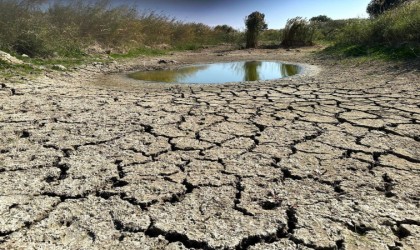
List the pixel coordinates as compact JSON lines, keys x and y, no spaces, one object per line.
{"x":324,"y":160}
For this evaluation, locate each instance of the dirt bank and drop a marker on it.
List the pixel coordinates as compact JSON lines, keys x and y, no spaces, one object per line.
{"x":328,"y":160}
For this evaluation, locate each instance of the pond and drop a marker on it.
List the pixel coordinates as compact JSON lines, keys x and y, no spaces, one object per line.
{"x":218,"y":73}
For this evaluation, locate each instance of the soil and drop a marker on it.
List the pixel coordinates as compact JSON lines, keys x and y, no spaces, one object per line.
{"x":329,"y":159}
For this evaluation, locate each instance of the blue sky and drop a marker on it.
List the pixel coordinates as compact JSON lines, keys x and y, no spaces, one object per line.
{"x":233,"y":12}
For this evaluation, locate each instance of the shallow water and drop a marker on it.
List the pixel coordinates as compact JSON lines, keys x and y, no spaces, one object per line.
{"x":217,"y":73}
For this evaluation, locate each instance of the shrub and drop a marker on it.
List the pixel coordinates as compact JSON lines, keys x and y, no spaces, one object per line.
{"x":328,"y":30}
{"x":393,"y":28}
{"x":271,"y":36}
{"x":298,"y":32}
{"x":320,"y":18}
{"x":325,"y":28}
{"x":255,"y":24}
{"x":226,"y":33}
{"x":30,"y":44}
{"x":356,"y":31}
{"x":15,"y":18}
{"x":392,"y":35}
{"x":224,"y":29}
{"x":377,"y":7}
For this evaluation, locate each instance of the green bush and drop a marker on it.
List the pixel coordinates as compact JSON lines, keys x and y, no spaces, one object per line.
{"x":393,"y":28}
{"x":393,"y":35}
{"x":271,"y":37}
{"x":356,"y":31}
{"x":226,"y":33}
{"x":327,"y":30}
{"x":31,"y":44}
{"x":298,"y":32}
{"x":320,"y":19}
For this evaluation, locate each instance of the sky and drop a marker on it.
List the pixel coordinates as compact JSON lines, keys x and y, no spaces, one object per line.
{"x":233,"y":12}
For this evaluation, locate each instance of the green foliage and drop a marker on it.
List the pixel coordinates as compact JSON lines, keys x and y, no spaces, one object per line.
{"x":392,"y":36}
{"x":255,"y":24}
{"x":328,"y":31}
{"x":271,"y":37}
{"x":374,"y":52}
{"x":30,"y":44}
{"x":3,"y":65}
{"x":324,"y":27}
{"x":392,"y":28}
{"x":377,"y":7}
{"x":298,"y":32}
{"x":320,"y":18}
{"x":226,"y":33}
{"x":16,"y":19}
{"x":224,"y":29}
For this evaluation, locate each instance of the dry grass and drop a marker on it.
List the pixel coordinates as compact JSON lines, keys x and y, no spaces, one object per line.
{"x":70,"y":29}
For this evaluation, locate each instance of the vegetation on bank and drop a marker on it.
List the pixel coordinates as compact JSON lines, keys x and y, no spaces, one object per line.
{"x":69,"y":32}
{"x":76,"y":28}
{"x":391,"y":33}
{"x":394,"y":34}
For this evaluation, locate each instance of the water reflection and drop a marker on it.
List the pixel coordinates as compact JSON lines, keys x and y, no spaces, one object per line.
{"x":251,"y":70}
{"x":221,"y":72}
{"x":289,"y":70}
{"x":171,"y":75}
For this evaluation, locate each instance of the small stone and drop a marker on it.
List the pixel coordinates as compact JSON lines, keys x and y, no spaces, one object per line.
{"x":59,"y":67}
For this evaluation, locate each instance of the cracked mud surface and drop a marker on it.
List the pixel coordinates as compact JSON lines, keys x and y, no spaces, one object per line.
{"x":322,"y":161}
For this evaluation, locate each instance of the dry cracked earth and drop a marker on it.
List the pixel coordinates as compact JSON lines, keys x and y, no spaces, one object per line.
{"x":326,"y":160}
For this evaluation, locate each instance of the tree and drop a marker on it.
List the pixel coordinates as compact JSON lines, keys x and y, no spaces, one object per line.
{"x":320,"y":18}
{"x":377,"y":7}
{"x":255,"y":24}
